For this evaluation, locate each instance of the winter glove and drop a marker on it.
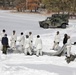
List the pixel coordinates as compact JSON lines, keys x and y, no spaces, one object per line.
{"x":31,"y":41}
{"x":58,"y":42}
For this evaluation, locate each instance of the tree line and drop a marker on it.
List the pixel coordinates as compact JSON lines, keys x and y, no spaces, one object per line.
{"x":21,"y":5}
{"x":58,"y":6}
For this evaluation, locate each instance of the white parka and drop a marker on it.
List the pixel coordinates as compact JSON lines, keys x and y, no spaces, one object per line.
{"x":22,"y":40}
{"x":31,"y":38}
{"x":57,"y":38}
{"x":27,"y":43}
{"x":13,"y":38}
{"x":38,"y":43}
{"x":68,"y":43}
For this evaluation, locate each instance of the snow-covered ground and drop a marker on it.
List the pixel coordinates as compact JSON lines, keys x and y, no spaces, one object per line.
{"x":17,"y":64}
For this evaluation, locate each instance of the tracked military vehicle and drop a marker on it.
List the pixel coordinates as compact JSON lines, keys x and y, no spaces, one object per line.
{"x":55,"y":21}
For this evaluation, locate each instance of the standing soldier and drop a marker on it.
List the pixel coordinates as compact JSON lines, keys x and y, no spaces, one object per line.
{"x":1,"y":36}
{"x":5,"y":44}
{"x":27,"y":46}
{"x":21,"y":41}
{"x":13,"y":40}
{"x":56,"y":41}
{"x":70,"y":56}
{"x":38,"y":45}
{"x":64,"y":43}
{"x":65,"y":39}
{"x":31,"y":40}
{"x":68,"y":45}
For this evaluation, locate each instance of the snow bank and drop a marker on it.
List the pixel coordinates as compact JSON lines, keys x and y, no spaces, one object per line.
{"x":20,"y":70}
{"x":21,"y":59}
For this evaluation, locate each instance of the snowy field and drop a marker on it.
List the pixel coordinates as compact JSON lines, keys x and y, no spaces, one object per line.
{"x":18,"y":63}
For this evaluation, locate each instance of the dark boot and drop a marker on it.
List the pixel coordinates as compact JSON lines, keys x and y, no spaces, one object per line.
{"x":68,"y":60}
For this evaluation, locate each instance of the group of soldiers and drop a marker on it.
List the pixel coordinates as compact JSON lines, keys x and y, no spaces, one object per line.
{"x":66,"y":43}
{"x":25,"y":43}
{"x":27,"y":47}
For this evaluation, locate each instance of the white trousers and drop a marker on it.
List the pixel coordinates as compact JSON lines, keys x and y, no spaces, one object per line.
{"x":13,"y":45}
{"x":68,"y":51}
{"x":31,"y":46}
{"x":39,"y":52}
{"x":27,"y":50}
{"x":56,"y":45}
{"x":21,"y":48}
